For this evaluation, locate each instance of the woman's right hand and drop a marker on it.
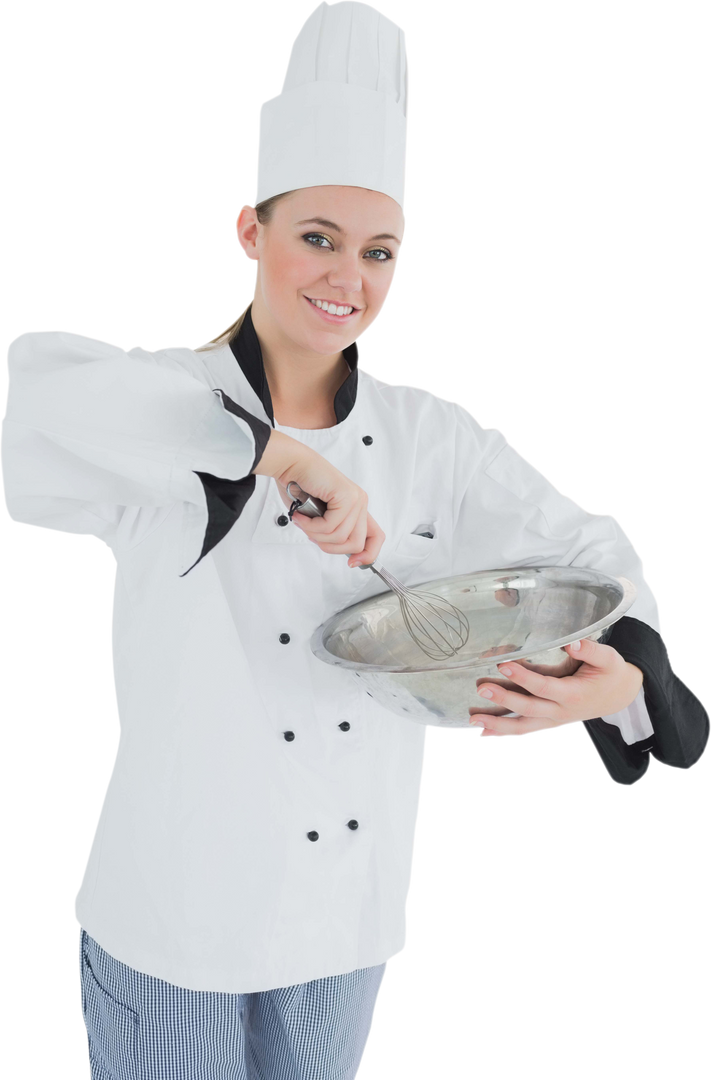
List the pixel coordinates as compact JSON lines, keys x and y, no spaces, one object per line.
{"x":346,"y":526}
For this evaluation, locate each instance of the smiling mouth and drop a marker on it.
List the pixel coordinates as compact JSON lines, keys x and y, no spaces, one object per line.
{"x":342,"y":311}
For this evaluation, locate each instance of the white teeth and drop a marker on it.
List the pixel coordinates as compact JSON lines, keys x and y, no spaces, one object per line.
{"x":332,"y":309}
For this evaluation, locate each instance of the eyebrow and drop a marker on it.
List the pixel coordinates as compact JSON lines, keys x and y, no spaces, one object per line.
{"x":332,"y":225}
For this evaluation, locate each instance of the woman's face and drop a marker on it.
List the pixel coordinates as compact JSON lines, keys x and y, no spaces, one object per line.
{"x":333,"y":243}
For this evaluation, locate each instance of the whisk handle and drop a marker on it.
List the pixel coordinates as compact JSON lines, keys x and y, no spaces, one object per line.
{"x":312,"y":506}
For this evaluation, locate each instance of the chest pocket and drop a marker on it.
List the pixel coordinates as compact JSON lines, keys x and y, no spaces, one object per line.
{"x":409,"y":553}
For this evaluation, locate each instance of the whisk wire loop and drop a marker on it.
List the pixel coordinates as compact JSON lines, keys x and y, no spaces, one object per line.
{"x":427,"y":617}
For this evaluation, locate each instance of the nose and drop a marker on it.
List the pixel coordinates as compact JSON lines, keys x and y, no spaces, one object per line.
{"x":345,"y":273}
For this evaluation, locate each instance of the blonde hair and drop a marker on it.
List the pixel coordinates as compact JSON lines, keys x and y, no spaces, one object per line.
{"x":264,"y":211}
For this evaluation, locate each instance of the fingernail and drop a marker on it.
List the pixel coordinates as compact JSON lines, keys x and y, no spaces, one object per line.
{"x":575,"y":645}
{"x":505,"y":671}
{"x":485,"y":693}
{"x":478,"y":723}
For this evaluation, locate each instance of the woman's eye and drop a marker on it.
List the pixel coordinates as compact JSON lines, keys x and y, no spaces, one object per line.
{"x":310,"y":237}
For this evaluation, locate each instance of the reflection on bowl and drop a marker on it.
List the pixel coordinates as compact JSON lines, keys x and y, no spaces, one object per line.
{"x":525,"y":614}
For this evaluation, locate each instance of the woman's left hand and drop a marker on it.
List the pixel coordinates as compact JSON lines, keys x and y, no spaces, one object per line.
{"x":604,"y":684}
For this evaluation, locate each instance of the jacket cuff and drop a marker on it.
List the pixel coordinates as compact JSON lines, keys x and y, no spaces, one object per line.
{"x":680,"y":722}
{"x":225,"y":499}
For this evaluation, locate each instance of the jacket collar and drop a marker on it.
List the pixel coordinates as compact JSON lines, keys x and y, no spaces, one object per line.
{"x":248,"y":353}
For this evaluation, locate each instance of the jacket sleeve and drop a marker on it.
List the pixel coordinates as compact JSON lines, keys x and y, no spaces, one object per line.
{"x":507,"y":514}
{"x":93,"y":435}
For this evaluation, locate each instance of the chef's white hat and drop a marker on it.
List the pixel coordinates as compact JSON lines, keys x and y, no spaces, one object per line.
{"x":341,"y":115}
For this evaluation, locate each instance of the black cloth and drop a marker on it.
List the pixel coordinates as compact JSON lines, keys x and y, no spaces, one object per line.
{"x":680,"y":722}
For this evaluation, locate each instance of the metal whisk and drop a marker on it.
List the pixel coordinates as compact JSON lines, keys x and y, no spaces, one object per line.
{"x":437,"y":627}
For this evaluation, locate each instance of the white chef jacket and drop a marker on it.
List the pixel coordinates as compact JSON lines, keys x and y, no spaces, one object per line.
{"x":258,"y":826}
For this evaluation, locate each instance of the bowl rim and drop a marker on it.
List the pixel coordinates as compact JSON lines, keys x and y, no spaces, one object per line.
{"x":592,"y":631}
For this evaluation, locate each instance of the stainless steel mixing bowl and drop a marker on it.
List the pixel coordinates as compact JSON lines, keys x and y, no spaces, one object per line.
{"x":525,"y":614}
